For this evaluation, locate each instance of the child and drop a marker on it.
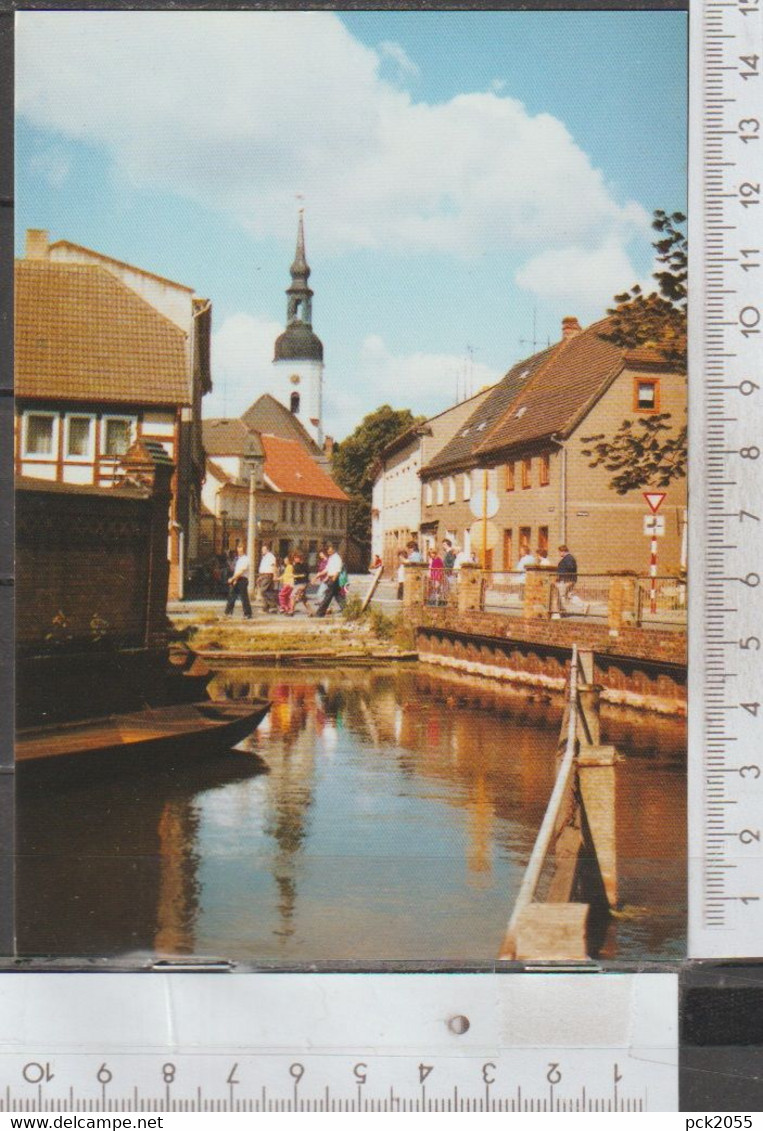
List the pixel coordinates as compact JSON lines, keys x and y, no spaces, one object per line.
{"x":287,"y":585}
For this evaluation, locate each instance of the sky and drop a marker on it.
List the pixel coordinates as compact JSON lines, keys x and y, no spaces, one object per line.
{"x":468,"y":178}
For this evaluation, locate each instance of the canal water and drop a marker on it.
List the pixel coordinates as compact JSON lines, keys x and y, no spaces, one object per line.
{"x":377,"y":814}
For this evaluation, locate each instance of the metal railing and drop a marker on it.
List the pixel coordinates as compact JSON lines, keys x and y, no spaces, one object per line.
{"x":661,"y":600}
{"x":651,"y":601}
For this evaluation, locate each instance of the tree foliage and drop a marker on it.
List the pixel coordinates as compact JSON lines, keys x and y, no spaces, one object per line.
{"x":354,"y":459}
{"x":657,"y":320}
{"x":650,"y":451}
{"x":642,"y":453}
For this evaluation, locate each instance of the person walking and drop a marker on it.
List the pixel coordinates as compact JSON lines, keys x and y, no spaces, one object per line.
{"x":301,"y":582}
{"x":566,"y":580}
{"x":266,"y":575}
{"x":414,"y":553}
{"x":333,"y":572}
{"x":287,"y":585}
{"x":402,"y":558}
{"x":238,"y":584}
{"x":436,"y":577}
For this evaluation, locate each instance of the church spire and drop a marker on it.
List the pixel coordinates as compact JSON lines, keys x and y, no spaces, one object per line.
{"x":299,"y":307}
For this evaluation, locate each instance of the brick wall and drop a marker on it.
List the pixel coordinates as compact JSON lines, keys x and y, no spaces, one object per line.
{"x":91,"y":597}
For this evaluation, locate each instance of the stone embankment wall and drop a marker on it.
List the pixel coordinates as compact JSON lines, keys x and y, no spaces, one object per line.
{"x":641,"y":669}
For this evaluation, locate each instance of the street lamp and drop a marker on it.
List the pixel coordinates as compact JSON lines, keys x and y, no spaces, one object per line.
{"x":255,"y":460}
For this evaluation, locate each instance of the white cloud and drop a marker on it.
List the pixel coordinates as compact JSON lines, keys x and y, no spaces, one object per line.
{"x":242,"y":356}
{"x":586,"y":278}
{"x":398,"y":55}
{"x":426,"y":383}
{"x":241,"y":110}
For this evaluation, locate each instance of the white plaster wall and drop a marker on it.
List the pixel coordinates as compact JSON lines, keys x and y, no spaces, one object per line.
{"x":310,"y":389}
{"x":173,"y":300}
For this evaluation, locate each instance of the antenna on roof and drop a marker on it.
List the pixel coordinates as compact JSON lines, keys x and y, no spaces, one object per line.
{"x":534,"y":342}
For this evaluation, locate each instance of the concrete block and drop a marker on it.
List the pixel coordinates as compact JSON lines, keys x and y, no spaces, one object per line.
{"x":552,"y":932}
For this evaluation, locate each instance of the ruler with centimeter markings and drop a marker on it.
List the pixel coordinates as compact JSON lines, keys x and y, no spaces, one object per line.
{"x":483,"y":1042}
{"x":338,"y":1042}
{"x":726,"y":480}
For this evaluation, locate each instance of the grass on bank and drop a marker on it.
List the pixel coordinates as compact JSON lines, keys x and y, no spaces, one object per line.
{"x":352,"y":632}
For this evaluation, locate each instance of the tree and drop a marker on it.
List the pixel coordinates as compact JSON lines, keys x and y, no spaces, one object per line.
{"x":650,"y":452}
{"x":354,"y":459}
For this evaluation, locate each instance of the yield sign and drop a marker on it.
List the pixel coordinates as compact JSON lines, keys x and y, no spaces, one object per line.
{"x":654,"y":499}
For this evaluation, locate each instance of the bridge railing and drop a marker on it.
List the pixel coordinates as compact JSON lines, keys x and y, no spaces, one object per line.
{"x":572,"y":867}
{"x":617,"y":600}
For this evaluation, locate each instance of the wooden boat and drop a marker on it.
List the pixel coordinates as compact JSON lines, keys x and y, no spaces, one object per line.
{"x":193,"y":729}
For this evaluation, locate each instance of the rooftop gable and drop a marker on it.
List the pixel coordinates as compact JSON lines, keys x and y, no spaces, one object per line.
{"x":268,"y":415}
{"x":82,"y":335}
{"x":572,"y":376}
{"x":291,"y":470}
{"x":460,"y":450}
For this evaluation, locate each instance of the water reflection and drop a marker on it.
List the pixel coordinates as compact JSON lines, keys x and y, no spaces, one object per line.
{"x":395,"y":820}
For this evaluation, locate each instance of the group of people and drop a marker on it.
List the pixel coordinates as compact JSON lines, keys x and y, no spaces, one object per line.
{"x":443,"y":566}
{"x":286,"y":584}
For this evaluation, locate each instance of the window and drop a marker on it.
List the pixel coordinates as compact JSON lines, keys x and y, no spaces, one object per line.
{"x":510,"y":476}
{"x":440,"y":492}
{"x":452,"y":489}
{"x":79,"y":437}
{"x":527,"y":472}
{"x":314,"y":513}
{"x":294,"y":403}
{"x":325,"y":515}
{"x":428,"y":494}
{"x":302,"y":511}
{"x":646,"y":395}
{"x":292,"y":510}
{"x":284,"y":510}
{"x":117,"y":435}
{"x":543,"y":541}
{"x":545,"y":469}
{"x":40,"y":434}
{"x":467,"y":486}
{"x":524,"y":539}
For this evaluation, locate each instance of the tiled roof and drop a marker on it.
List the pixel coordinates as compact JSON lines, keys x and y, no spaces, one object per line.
{"x":82,"y":335}
{"x":223,"y":437}
{"x":572,"y":375}
{"x":460,"y":450}
{"x":292,"y":470}
{"x":269,"y":415}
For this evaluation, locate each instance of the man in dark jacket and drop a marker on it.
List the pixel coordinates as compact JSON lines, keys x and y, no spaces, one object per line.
{"x":566,"y":577}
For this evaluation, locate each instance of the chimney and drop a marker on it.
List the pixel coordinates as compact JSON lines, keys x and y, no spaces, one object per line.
{"x":328,"y":446}
{"x":570,"y":327}
{"x":36,"y":243}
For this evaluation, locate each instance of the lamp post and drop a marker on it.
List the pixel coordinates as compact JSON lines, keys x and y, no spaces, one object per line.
{"x":254,"y":462}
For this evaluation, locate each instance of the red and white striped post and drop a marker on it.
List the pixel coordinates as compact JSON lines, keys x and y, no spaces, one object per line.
{"x":654,"y":502}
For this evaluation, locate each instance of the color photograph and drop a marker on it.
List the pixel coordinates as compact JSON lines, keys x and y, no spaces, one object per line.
{"x":351,"y":503}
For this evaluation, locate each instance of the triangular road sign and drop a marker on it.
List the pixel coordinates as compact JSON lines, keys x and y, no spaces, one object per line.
{"x":654,"y":499}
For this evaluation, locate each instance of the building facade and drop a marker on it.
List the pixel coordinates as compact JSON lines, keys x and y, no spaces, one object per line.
{"x":396,"y":505}
{"x":298,"y":506}
{"x":531,"y":462}
{"x":107,"y":354}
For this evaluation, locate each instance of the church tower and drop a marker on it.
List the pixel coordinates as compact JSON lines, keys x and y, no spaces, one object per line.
{"x":298,"y":358}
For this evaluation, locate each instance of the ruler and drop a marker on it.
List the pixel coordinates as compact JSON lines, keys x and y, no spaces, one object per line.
{"x":726,"y":454}
{"x":338,"y":1042}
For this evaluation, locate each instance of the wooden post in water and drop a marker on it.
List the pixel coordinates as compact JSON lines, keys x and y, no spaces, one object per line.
{"x":596,"y":776}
